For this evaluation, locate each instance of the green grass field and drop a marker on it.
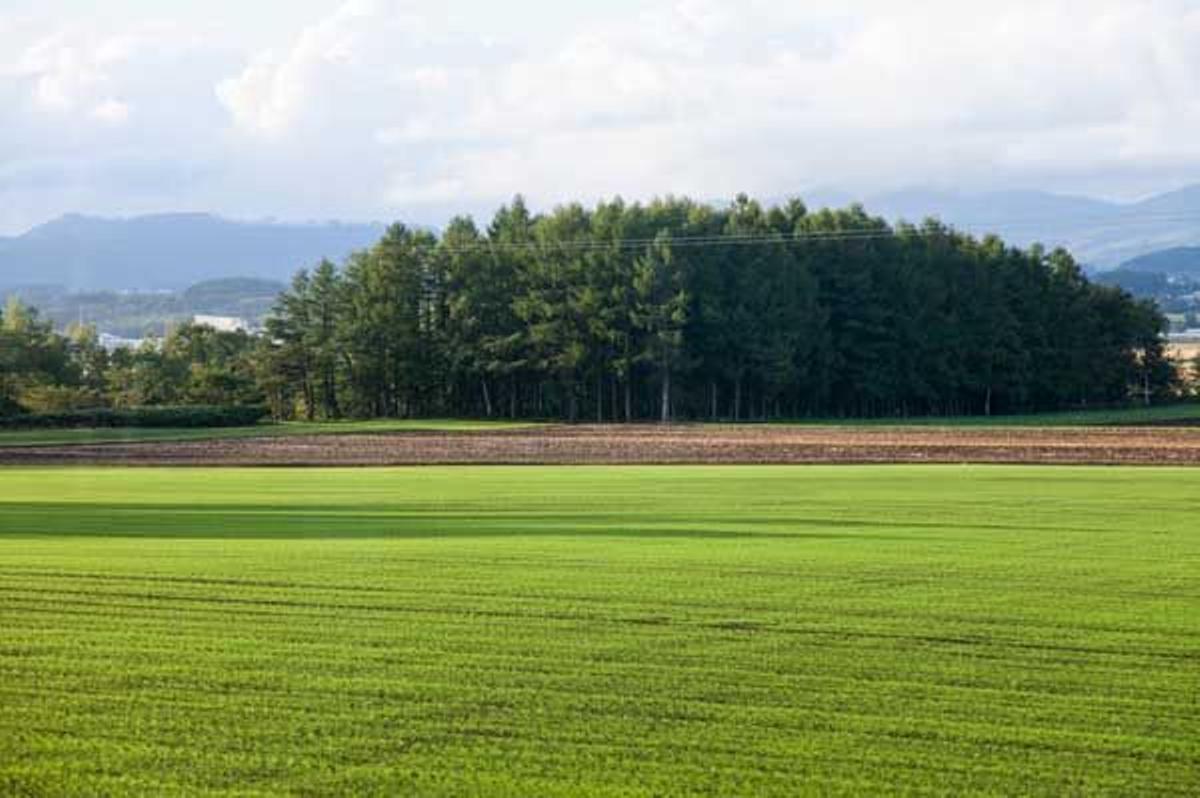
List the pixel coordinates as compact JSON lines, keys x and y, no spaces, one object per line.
{"x":655,"y":631}
{"x":1183,"y":413}
{"x":1188,"y":413}
{"x":54,"y":437}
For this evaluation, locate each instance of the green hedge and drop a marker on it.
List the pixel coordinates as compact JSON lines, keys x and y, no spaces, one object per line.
{"x":198,"y":416}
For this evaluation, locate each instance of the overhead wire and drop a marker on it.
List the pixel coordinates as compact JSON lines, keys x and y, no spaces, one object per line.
{"x":963,"y":227}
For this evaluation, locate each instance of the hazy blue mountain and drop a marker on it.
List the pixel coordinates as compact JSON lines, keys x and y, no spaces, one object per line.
{"x":1141,"y":284}
{"x":1182,"y":201}
{"x":1177,"y":261}
{"x":1100,"y":233}
{"x":1013,"y":208}
{"x":170,"y":251}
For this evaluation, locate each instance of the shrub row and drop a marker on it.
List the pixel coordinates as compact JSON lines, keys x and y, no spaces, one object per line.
{"x":197,"y":416}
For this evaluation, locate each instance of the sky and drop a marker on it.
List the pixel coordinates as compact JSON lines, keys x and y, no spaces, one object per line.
{"x":387,"y":109}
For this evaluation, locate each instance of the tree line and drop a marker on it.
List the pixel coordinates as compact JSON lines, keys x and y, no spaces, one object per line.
{"x":677,"y":309}
{"x":667,"y":310}
{"x":46,"y":372}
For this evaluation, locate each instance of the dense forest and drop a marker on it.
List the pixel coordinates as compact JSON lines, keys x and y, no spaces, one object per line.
{"x":671,"y":309}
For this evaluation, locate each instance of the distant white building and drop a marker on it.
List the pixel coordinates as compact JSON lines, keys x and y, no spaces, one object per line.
{"x":223,"y":323}
{"x":111,"y":343}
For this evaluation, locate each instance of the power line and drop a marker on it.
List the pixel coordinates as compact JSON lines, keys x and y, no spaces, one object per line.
{"x":736,"y":239}
{"x":1115,"y":218}
{"x":1111,"y":222}
{"x":699,"y":241}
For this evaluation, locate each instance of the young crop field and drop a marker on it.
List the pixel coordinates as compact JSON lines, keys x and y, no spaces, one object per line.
{"x":768,"y":630}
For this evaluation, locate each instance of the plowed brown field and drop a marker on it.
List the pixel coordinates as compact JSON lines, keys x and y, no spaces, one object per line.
{"x":595,"y":444}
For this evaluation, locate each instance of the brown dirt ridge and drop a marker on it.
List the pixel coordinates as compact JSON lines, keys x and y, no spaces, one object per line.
{"x":653,"y":444}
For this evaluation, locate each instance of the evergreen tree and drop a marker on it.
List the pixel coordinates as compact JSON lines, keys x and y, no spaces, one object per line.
{"x":670,"y":309}
{"x":661,"y":306}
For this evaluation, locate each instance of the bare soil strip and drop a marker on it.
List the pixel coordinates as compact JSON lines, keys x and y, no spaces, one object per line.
{"x":675,"y":444}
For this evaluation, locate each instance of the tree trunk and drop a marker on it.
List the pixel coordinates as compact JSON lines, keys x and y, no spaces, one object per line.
{"x":331,"y":402}
{"x":737,"y":398}
{"x":599,"y":396}
{"x":487,"y":397}
{"x":628,"y":398}
{"x":666,"y":395}
{"x":987,"y":402}
{"x":712,"y":411}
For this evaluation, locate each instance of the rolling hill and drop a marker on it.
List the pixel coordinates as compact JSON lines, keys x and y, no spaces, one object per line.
{"x":173,"y":251}
{"x":1176,"y":261}
{"x":1101,"y":234}
{"x":170,"y":251}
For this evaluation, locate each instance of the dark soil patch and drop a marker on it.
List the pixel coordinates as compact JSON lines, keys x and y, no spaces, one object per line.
{"x":630,"y":444}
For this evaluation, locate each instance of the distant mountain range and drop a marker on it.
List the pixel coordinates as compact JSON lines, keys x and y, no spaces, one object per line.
{"x":173,"y":251}
{"x":1100,"y":234}
{"x":170,"y":251}
{"x":1177,"y":262}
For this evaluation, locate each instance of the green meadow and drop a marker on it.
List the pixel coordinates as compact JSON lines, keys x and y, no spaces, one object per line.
{"x":61,"y":437}
{"x":1179,"y":414}
{"x":1183,"y":414}
{"x":600,"y":631}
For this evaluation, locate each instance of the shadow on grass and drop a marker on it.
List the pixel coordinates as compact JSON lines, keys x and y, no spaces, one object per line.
{"x":280,"y":521}
{"x":262,"y":521}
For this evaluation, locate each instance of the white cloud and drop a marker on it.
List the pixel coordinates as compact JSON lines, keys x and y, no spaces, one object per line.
{"x":275,"y":90}
{"x":408,"y":189}
{"x":111,"y":112}
{"x":392,"y":107}
{"x":58,"y":73}
{"x":72,"y":95}
{"x":695,"y":96}
{"x":66,"y":72}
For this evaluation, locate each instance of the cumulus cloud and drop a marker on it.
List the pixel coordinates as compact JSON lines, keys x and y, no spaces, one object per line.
{"x":59,"y":72}
{"x":703,"y":97}
{"x":395,"y":108}
{"x":343,"y":55}
{"x":72,"y":71}
{"x":98,"y":117}
{"x":79,"y":71}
